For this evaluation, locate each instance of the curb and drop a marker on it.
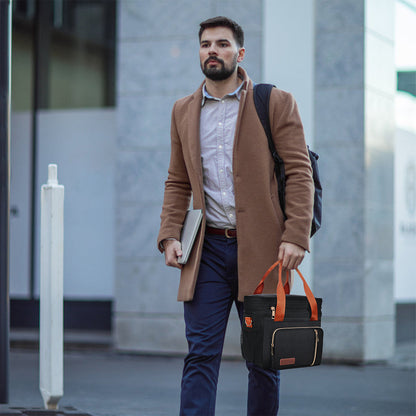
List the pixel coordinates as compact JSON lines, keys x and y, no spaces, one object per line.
{"x":37,"y":411}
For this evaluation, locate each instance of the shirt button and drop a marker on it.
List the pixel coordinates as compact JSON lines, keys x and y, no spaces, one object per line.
{"x":224,"y":193}
{"x":220,"y":146}
{"x":231,"y":215}
{"x":220,"y":124}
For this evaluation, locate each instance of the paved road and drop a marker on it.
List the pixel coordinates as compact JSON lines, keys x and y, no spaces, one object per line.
{"x":110,"y":384}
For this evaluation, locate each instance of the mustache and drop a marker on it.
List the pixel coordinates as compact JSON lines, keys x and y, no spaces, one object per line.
{"x":213,"y":58}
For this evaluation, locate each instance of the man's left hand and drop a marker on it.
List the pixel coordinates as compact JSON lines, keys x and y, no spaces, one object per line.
{"x":291,"y":254}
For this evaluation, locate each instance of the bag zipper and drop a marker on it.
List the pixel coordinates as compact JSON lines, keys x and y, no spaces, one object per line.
{"x":315,"y":329}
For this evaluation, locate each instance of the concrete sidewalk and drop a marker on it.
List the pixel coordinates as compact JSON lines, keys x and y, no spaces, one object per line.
{"x":104,"y":383}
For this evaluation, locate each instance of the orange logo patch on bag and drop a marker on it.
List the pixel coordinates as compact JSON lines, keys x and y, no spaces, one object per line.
{"x":288,"y":361}
{"x":249,"y":322}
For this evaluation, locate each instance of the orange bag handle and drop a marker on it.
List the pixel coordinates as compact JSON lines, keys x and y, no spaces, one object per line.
{"x":260,"y":286}
{"x":281,"y":295}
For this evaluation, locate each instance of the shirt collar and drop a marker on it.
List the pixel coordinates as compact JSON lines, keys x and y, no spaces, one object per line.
{"x":206,"y":96}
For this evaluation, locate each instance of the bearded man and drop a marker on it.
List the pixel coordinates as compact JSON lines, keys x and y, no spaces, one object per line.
{"x":221,"y":161}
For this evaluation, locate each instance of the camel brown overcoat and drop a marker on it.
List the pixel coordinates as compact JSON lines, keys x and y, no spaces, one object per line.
{"x":260,"y":225}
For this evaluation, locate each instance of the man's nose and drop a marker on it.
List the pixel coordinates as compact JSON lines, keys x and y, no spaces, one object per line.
{"x":212,"y":50}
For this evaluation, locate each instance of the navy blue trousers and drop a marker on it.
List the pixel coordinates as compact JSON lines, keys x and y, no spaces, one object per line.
{"x":206,"y":318}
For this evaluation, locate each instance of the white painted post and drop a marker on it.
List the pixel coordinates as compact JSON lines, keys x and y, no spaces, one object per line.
{"x":51,"y":291}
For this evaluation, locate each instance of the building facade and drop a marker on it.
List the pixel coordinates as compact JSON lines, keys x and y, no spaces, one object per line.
{"x":98,"y":100}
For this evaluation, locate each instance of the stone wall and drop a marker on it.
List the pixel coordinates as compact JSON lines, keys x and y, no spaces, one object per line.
{"x":352,"y":115}
{"x":354,"y":133}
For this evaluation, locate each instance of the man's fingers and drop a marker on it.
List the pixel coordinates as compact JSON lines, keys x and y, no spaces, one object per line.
{"x":291,"y":255}
{"x":285,"y":256}
{"x":173,"y":250}
{"x":282,"y":256}
{"x":173,"y":262}
{"x":281,"y":252}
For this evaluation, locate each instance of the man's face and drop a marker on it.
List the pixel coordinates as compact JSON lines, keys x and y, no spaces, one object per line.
{"x":219,"y":53}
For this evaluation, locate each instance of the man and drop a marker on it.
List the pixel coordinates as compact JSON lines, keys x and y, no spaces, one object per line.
{"x":220,"y":158}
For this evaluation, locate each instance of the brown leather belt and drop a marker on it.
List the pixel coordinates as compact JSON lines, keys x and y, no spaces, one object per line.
{"x":229,"y":233}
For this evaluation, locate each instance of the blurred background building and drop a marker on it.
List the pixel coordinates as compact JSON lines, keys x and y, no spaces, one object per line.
{"x":93,"y":84}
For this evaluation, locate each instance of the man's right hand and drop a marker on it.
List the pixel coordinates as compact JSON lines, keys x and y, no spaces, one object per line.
{"x":173,"y":250}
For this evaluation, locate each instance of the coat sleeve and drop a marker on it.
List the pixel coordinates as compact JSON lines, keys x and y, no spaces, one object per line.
{"x":288,"y":134}
{"x":177,"y":194}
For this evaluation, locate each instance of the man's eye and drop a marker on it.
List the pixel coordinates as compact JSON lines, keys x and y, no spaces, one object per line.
{"x":204,"y":45}
{"x":224,"y":45}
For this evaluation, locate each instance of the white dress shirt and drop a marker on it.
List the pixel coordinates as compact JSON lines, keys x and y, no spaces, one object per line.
{"x":217,"y":130}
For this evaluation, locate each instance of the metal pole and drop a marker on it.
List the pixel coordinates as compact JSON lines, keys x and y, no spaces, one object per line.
{"x":41,"y":51}
{"x":5,"y":74}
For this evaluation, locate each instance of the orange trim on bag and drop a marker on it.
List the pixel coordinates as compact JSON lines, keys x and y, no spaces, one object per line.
{"x":249,"y":322}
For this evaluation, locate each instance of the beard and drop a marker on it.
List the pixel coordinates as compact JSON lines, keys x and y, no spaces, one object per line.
{"x":219,"y":73}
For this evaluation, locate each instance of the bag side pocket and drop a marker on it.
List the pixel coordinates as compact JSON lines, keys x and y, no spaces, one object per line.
{"x":294,"y":347}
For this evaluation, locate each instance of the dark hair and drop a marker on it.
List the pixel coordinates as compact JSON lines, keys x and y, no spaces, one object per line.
{"x":221,"y":21}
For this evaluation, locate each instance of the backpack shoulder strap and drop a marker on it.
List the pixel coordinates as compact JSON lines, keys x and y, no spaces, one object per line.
{"x":261,"y":96}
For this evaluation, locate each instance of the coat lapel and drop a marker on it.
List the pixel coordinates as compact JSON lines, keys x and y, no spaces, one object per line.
{"x":239,"y":117}
{"x":193,"y":139}
{"x":243,"y":98}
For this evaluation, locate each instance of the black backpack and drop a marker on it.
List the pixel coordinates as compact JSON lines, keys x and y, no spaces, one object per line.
{"x":261,"y":93}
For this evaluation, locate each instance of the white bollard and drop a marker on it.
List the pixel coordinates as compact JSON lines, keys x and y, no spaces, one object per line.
{"x":51,"y":291}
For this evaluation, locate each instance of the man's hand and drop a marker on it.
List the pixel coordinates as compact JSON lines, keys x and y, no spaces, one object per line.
{"x":291,"y":254}
{"x":173,"y":250}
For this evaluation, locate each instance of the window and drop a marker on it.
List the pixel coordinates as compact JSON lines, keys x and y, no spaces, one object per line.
{"x":406,"y":81}
{"x":63,"y":54}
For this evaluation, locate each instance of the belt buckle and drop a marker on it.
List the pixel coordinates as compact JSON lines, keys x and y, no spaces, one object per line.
{"x":226,"y":233}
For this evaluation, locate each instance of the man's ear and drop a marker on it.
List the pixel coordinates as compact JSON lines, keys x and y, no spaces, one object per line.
{"x":241,"y":53}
